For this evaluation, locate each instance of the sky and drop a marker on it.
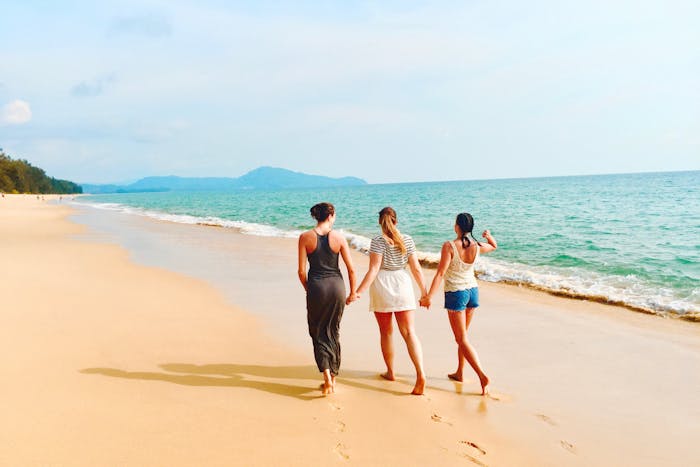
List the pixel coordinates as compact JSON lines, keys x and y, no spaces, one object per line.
{"x":390,"y":91}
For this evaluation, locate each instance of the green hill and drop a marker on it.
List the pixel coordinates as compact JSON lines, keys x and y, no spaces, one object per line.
{"x":19,"y":176}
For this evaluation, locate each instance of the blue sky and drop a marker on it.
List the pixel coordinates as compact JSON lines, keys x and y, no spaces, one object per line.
{"x":388,"y":91}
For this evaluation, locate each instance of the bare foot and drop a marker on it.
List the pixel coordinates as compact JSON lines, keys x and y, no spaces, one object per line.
{"x":484,"y":382}
{"x":326,"y":389}
{"x":389,"y":376}
{"x":419,"y":387}
{"x":333,"y":382}
{"x":456,"y":376}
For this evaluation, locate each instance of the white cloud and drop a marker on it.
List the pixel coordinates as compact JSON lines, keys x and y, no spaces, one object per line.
{"x":16,"y":112}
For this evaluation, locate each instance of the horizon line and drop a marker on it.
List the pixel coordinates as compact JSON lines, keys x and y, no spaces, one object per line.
{"x":411,"y":181}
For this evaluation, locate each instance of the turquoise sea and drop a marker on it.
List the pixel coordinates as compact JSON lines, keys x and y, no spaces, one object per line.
{"x":627,"y":239}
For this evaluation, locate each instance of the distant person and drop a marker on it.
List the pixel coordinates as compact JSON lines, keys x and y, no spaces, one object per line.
{"x":461,"y":290}
{"x":325,"y":289}
{"x":391,"y":293}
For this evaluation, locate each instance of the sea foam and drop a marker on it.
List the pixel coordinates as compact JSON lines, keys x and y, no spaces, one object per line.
{"x":571,"y":282}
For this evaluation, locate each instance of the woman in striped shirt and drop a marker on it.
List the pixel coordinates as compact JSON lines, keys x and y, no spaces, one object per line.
{"x":391,"y":292}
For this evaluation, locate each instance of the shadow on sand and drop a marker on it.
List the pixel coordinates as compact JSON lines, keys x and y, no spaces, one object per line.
{"x":243,"y":376}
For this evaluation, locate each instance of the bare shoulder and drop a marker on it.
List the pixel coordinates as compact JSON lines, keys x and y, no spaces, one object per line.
{"x":447,"y":248}
{"x":305,"y":236}
{"x":334,"y":234}
{"x":336,"y":240}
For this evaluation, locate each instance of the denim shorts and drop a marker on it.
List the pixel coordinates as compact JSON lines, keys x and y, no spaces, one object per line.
{"x":462,"y":299}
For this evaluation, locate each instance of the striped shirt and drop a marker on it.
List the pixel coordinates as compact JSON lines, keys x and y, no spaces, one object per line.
{"x":392,"y":259}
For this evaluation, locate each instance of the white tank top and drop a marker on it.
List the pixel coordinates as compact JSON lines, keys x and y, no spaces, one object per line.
{"x":460,"y":275}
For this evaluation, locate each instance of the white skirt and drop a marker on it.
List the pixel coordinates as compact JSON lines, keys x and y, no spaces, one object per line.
{"x":392,"y":291}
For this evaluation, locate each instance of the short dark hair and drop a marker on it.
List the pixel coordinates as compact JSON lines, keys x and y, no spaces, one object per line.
{"x":321,"y":211}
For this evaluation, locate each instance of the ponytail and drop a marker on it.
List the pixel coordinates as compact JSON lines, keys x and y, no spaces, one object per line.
{"x":387,"y":220}
{"x":465,"y":222}
{"x":465,"y":238}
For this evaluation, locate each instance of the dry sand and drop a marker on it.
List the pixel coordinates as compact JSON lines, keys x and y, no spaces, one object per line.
{"x":109,"y":362}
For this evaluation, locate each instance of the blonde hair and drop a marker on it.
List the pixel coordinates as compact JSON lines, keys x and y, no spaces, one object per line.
{"x":387,"y":220}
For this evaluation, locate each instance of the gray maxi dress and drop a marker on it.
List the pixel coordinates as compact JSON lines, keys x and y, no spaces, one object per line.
{"x":325,"y":302}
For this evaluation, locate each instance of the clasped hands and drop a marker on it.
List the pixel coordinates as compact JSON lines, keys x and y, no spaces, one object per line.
{"x":425,"y":301}
{"x":352,"y":297}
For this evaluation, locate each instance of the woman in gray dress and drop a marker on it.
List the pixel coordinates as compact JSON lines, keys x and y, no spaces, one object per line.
{"x":325,"y":289}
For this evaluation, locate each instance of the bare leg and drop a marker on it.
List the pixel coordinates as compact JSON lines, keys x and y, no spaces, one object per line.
{"x":459,"y":374}
{"x":404,"y":319}
{"x":385,"y":336}
{"x":327,"y":387}
{"x":460,"y":323}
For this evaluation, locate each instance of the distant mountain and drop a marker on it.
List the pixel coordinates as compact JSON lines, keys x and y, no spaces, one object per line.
{"x":260,"y":178}
{"x":272,"y":177}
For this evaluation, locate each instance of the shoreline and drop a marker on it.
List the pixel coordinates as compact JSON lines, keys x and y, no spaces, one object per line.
{"x":427,"y":260}
{"x":690,"y":316}
{"x":152,"y":357}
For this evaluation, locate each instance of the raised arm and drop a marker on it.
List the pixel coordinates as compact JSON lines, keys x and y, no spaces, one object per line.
{"x":347,"y":259}
{"x":445,"y":258}
{"x":302,"y":260}
{"x":492,"y":245}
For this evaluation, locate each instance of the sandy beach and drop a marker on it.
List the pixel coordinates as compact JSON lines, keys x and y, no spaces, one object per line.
{"x":129,"y":341}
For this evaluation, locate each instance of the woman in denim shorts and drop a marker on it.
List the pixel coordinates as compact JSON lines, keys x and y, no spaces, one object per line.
{"x":461,"y":290}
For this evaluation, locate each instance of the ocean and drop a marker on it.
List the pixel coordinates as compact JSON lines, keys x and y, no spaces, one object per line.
{"x":631,"y":240}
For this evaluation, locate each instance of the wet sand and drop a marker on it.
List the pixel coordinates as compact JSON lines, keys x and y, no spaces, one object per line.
{"x":132,"y":342}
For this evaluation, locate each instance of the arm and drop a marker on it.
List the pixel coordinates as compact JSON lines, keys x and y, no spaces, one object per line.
{"x":302,"y":261}
{"x":375,"y":262}
{"x":492,"y":245}
{"x":445,"y":258}
{"x":417,"y":273}
{"x":347,"y":259}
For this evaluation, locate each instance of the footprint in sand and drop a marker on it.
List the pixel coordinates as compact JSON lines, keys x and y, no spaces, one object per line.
{"x":474,"y":460}
{"x":498,"y":397}
{"x":437,"y":418}
{"x":340,"y":450}
{"x":568,"y":446}
{"x":475,"y":446}
{"x":334,"y":406}
{"x":546,"y":419}
{"x":340,"y":426}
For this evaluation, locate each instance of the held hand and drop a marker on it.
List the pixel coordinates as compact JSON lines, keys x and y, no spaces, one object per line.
{"x":425,"y":301}
{"x":351,"y":298}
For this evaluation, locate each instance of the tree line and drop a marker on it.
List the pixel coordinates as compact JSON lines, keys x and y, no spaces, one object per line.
{"x":19,"y":176}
